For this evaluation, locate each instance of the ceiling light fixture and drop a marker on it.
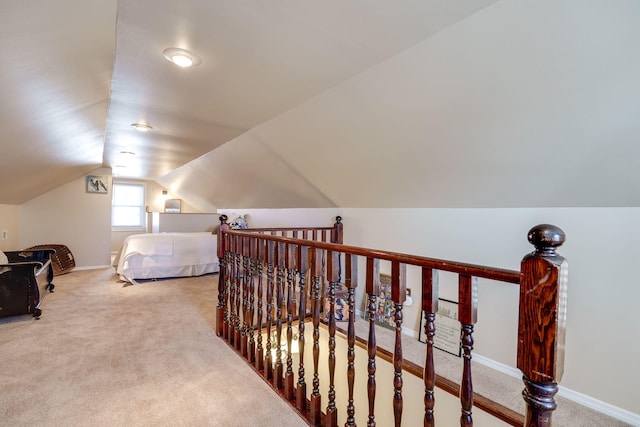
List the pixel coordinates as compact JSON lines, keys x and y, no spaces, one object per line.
{"x":142,"y":127}
{"x":181,"y":57}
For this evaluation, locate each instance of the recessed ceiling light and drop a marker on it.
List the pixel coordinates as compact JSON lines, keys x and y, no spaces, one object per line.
{"x":142,"y":127}
{"x":181,"y":57}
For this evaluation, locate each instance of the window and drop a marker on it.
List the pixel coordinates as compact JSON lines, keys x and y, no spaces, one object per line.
{"x":128,"y":207}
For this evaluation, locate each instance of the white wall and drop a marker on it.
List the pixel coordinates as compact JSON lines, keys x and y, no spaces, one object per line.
{"x":602,"y":249}
{"x":70,"y":216}
{"x":9,"y":222}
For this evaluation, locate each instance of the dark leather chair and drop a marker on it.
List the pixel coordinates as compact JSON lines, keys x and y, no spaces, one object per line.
{"x":24,"y":282}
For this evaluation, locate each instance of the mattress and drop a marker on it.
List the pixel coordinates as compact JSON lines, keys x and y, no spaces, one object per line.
{"x":164,"y":255}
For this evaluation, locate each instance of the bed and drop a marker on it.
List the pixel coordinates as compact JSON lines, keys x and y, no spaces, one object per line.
{"x":165,"y":255}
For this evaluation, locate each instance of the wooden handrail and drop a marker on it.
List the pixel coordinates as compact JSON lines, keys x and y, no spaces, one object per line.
{"x":492,"y":273}
{"x":303,"y":267}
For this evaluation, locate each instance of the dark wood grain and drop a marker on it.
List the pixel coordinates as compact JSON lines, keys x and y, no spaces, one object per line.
{"x":278,"y":370}
{"x":372,"y":288}
{"x":541,"y":325}
{"x":301,"y":386}
{"x":270,"y":254}
{"x":429,"y":307}
{"x":498,"y":274}
{"x":540,"y":331}
{"x":333,"y":277}
{"x":351,"y":282}
{"x":316,"y":268}
{"x":289,"y":390}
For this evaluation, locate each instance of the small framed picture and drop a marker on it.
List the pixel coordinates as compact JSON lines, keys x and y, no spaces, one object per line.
{"x":173,"y":206}
{"x":448,"y":328}
{"x":98,"y":184}
{"x":385,"y":308}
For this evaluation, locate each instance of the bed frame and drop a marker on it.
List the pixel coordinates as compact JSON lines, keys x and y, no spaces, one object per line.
{"x":271,"y":280}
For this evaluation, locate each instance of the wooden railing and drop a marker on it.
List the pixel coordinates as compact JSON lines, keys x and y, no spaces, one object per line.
{"x":271,"y":279}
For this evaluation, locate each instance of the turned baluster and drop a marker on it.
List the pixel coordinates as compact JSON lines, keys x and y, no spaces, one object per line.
{"x":270,"y":266}
{"x":278,"y":370}
{"x":237,"y":250}
{"x":232,"y":289}
{"x":333,"y":277}
{"x":316,"y":400}
{"x":252,"y":250}
{"x":541,"y":326}
{"x":244,"y":241}
{"x":301,"y":389}
{"x":351,"y":281}
{"x":289,"y":391}
{"x":467,"y":315}
{"x":228,"y":291}
{"x":260,"y":251}
{"x":372,"y":289}
{"x":221,"y":309}
{"x":398,"y":295}
{"x":429,"y":307}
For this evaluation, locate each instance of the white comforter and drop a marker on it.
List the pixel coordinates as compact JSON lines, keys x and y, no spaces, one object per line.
{"x":162,"y":255}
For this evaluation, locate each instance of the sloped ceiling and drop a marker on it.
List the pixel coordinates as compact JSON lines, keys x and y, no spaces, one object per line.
{"x":54,"y":85}
{"x":523,"y":104}
{"x":319,"y":104}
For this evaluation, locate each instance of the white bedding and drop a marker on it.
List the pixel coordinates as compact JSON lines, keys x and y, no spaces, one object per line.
{"x":162,"y":255}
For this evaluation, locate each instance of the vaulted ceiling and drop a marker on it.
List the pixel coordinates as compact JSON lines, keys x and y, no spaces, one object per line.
{"x":355,"y":103}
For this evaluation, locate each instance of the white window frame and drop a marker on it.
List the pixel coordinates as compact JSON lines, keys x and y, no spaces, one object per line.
{"x":143,"y":216}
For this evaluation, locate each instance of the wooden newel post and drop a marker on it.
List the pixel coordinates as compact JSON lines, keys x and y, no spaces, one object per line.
{"x":337,"y":232}
{"x":541,"y":326}
{"x":220,"y":309}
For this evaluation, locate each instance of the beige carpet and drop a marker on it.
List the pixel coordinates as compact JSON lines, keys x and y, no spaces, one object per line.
{"x":495,"y":385}
{"x":147,"y":355}
{"x":144,"y":355}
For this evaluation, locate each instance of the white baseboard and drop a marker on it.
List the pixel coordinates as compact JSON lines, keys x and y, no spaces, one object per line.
{"x":574,"y":396}
{"x":600,"y":406}
{"x":93,"y":267}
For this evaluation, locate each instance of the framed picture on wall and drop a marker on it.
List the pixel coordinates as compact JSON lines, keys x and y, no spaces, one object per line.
{"x":385,"y":308}
{"x":173,"y":206}
{"x":98,"y":184}
{"x":448,"y":328}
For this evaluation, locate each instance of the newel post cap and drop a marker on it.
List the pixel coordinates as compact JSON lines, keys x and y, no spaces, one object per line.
{"x":546,"y":238}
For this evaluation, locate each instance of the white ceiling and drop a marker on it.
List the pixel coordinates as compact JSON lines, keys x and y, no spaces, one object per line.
{"x":354,"y":103}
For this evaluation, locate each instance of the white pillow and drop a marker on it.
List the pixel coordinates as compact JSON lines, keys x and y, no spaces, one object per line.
{"x":3,"y":258}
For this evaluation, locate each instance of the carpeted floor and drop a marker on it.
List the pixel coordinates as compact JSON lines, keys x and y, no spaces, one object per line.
{"x":144,"y":355}
{"x":104,"y":354}
{"x":490,"y":383}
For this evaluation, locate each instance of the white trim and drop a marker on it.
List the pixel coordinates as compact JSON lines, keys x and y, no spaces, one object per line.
{"x":93,"y":267}
{"x":497,"y":366}
{"x":579,"y":398}
{"x":600,"y":406}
